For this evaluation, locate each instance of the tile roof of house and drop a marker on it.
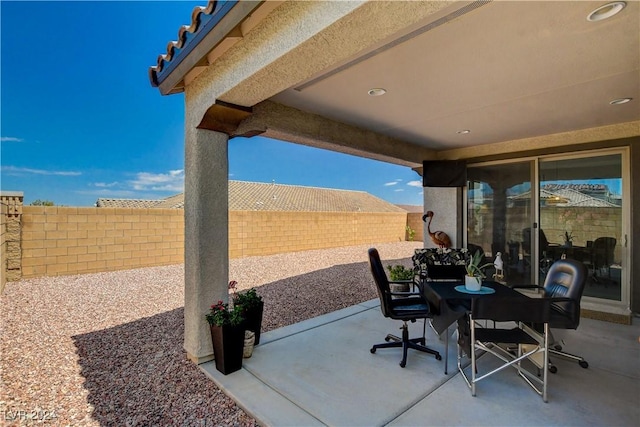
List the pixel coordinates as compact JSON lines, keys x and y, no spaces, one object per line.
{"x":127,"y":203}
{"x":567,"y":197}
{"x":276,"y":197}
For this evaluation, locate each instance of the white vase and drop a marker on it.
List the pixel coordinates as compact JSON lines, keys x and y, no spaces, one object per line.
{"x":472,"y":283}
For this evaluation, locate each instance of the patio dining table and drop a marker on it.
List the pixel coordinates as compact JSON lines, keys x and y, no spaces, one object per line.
{"x":452,"y":306}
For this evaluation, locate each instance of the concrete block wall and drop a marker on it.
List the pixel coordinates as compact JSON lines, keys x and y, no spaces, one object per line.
{"x":10,"y":244}
{"x":414,"y":220}
{"x":254,"y":233}
{"x":3,"y":245}
{"x":66,"y":240}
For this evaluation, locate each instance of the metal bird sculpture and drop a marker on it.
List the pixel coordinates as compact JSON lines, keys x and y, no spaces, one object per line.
{"x":439,"y":238}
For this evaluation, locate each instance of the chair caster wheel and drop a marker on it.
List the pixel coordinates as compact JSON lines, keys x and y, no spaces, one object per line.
{"x":553,"y":369}
{"x":372,"y":350}
{"x":557,"y":347}
{"x":583,"y":364}
{"x":387,"y":339}
{"x":403,"y":364}
{"x":438,"y":357}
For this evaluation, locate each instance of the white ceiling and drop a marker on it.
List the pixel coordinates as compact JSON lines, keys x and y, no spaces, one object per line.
{"x":504,"y":70}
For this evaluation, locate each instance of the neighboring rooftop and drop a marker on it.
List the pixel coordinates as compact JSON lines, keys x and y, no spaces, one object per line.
{"x":274,"y":197}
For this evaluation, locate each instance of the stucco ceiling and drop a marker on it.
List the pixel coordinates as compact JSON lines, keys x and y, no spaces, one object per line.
{"x":502,"y":70}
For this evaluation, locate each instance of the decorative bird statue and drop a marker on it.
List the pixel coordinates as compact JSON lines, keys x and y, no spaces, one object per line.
{"x":439,"y":238}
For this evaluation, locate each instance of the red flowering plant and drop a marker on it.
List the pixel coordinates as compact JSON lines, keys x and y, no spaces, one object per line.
{"x":220,"y":314}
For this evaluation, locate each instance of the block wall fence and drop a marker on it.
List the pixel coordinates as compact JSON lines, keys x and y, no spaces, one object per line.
{"x":66,"y":240}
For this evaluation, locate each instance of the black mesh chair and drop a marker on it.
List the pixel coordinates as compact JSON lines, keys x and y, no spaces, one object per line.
{"x":564,"y":285}
{"x":491,"y":340}
{"x":405,"y":306}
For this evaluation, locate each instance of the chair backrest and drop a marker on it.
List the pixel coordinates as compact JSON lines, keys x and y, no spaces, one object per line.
{"x":602,"y":251}
{"x":381,"y":280}
{"x":504,"y":309}
{"x":566,"y":278}
{"x":526,"y":241}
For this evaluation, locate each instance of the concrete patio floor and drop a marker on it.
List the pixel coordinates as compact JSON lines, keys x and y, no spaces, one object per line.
{"x":320,"y":372}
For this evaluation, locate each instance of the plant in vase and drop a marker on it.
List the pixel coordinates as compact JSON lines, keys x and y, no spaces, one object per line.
{"x":473,"y":279}
{"x":568,"y":239}
{"x":227,"y":336}
{"x":251,"y":306}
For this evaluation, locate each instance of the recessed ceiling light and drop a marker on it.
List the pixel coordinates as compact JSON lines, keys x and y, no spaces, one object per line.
{"x":620,"y":101}
{"x":377,"y":91}
{"x":606,"y":11}
{"x":464,"y":131}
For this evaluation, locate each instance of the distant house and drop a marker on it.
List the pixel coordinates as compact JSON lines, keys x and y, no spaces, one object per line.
{"x":253,"y":196}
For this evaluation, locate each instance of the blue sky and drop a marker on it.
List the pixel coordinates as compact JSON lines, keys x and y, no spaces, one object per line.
{"x":79,"y":119}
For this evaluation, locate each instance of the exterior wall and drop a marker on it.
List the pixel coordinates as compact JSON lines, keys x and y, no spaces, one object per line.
{"x":414,"y":220}
{"x":10,"y":244}
{"x":3,"y":245}
{"x":253,"y":233}
{"x":65,"y":240}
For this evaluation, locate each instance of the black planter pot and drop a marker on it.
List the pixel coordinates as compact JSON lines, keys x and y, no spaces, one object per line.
{"x":228,"y":344}
{"x":253,"y":320}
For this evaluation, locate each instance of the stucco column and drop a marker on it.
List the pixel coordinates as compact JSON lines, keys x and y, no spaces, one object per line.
{"x":206,"y":253}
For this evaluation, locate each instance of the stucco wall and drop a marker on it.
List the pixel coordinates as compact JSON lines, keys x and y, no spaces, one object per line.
{"x":65,"y":240}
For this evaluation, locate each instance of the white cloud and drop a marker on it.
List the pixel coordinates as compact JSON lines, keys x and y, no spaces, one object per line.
{"x":17,"y":171}
{"x":171,"y":181}
{"x":105,"y":185}
{"x":105,"y":193}
{"x":394,"y":182}
{"x":10,"y":139}
{"x":414,"y":183}
{"x":398,"y":190}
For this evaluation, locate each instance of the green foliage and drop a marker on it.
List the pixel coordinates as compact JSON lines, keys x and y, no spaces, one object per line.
{"x":39,"y":202}
{"x":221,"y":315}
{"x":410,"y":233}
{"x":473,"y":266}
{"x":400,"y":272}
{"x":248,"y":300}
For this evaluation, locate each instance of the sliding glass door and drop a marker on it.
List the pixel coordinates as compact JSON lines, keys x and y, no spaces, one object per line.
{"x":581,"y":215}
{"x":542,"y":209}
{"x":500,"y":210}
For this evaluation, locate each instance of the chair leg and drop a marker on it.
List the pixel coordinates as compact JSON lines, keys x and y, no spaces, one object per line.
{"x":568,"y":356}
{"x":406,"y":344}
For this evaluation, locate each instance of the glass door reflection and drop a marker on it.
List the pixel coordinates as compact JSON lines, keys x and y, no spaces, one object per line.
{"x":581,"y":216}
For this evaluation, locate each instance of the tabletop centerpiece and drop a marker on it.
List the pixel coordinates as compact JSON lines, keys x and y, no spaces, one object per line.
{"x":473,"y":279}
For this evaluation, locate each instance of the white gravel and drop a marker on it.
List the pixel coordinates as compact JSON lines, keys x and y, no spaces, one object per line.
{"x":107,"y":348}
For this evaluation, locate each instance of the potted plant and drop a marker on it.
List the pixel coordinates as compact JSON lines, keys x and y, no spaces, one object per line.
{"x":227,"y":336}
{"x":251,"y":306}
{"x":473,"y":279}
{"x":568,"y":239}
{"x":402,"y":276}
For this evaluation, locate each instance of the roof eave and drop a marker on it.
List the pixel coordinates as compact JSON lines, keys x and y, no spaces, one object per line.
{"x":225,"y":19}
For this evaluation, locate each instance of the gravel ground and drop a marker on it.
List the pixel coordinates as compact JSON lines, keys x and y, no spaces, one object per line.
{"x":107,"y":348}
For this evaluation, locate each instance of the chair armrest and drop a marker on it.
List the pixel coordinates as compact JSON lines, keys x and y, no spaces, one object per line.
{"x":405,"y":294}
{"x":527,"y":287}
{"x":405,"y":281}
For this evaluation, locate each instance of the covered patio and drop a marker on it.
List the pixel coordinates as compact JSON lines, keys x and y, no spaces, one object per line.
{"x":401,"y":82}
{"x":320,"y":372}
